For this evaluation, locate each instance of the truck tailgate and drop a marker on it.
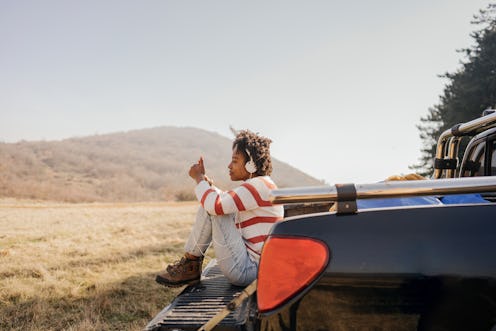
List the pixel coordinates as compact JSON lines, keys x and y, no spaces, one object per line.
{"x":196,"y":304}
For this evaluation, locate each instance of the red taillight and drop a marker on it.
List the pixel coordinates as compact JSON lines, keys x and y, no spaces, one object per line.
{"x":287,"y":266}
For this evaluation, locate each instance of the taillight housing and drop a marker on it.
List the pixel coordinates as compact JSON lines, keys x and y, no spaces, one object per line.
{"x":287,"y":266}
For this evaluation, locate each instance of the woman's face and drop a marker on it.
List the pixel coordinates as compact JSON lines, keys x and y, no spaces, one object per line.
{"x":237,"y":169}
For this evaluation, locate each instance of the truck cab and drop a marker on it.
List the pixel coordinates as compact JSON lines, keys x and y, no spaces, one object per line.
{"x":479,"y":157}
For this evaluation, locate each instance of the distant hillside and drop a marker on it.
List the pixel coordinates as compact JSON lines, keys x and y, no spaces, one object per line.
{"x":141,"y":165}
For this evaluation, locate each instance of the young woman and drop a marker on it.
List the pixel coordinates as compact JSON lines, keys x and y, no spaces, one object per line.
{"x":236,"y":222}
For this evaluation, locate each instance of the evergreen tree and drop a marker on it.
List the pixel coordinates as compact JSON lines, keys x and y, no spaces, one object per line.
{"x":470,"y":90}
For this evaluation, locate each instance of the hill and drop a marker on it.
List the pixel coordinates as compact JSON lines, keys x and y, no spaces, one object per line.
{"x":140,"y":165}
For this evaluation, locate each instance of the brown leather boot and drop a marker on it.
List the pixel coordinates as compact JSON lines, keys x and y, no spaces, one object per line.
{"x":182,"y":272}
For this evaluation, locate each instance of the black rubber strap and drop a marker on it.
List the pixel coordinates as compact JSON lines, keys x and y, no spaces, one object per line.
{"x":346,"y":199}
{"x":455,"y":130}
{"x":445,"y":163}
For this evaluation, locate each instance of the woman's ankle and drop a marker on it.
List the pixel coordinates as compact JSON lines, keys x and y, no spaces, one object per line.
{"x":190,"y":256}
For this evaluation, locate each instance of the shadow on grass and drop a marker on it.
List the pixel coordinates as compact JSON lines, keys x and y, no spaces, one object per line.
{"x":125,"y":305}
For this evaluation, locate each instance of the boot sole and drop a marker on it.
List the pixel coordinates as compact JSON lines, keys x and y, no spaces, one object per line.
{"x":165,"y":282}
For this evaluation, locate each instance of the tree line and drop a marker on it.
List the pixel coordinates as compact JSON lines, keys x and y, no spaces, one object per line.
{"x":469,"y":90}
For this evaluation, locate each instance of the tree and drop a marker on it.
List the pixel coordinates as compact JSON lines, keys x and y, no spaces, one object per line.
{"x":470,"y":90}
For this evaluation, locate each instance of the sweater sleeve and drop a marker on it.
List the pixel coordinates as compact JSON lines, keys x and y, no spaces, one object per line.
{"x":245,"y":197}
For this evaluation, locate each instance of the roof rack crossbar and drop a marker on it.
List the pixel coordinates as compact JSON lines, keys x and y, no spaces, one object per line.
{"x":391,"y":189}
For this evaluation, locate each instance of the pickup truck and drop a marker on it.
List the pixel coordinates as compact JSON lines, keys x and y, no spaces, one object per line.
{"x":394,"y":255}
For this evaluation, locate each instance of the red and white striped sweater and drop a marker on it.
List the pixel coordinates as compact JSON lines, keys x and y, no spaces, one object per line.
{"x":255,"y":214}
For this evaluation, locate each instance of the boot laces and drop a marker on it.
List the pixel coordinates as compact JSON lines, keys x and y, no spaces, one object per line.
{"x":177,"y":266}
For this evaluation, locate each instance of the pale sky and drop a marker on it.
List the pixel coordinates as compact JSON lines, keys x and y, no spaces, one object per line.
{"x":339,"y":86}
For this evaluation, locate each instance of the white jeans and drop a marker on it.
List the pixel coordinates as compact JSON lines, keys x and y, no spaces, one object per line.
{"x":230,"y":250}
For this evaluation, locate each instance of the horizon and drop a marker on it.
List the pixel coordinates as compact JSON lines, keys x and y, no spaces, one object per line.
{"x":193,"y":158}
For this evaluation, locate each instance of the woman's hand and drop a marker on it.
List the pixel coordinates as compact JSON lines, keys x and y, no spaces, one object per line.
{"x":197,"y":171}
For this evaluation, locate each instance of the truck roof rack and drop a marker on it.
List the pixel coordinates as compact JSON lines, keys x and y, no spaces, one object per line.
{"x":347,"y":194}
{"x":449,"y":142}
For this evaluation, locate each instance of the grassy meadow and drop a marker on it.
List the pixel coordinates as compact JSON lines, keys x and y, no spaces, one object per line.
{"x":87,"y":266}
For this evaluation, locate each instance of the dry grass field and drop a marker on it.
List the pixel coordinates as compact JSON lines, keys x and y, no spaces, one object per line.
{"x":86,"y":266}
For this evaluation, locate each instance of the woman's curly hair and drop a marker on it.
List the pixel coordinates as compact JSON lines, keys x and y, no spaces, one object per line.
{"x":259,"y":149}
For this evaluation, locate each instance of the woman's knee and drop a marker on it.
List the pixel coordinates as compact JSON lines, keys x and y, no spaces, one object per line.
{"x":201,"y":212}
